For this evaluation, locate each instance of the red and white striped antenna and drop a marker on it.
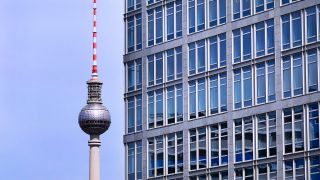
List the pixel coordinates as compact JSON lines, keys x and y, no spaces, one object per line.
{"x":94,"y":57}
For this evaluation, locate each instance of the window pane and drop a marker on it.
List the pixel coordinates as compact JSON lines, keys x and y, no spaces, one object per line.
{"x":297,"y":74}
{"x":236,"y":9}
{"x":170,"y":64}
{"x":131,"y":34}
{"x":159,"y":25}
{"x":178,"y":18}
{"x":286,"y":76}
{"x":296,"y":28}
{"x":236,"y":46}
{"x":311,"y":24}
{"x":192,"y":59}
{"x":201,"y":56}
{"x":150,"y":27}
{"x":200,"y":14}
{"x":159,"y":68}
{"x":261,"y":83}
{"x":131,"y":115}
{"x":201,"y":97}
{"x":312,"y":71}
{"x":213,"y":12}
{"x":170,"y":21}
{"x":191,"y":16}
{"x":139,"y":32}
{"x":260,"y":39}
{"x":285,"y":31}
{"x":237,"y":89}
{"x":246,"y":42}
{"x":247,"y":86}
{"x":213,"y":52}
{"x":214,"y":94}
{"x":192,"y":99}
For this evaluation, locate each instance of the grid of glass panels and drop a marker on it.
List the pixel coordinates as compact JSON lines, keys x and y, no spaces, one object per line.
{"x":243,"y":41}
{"x":245,"y":8}
{"x":165,"y":155}
{"x":165,"y":66}
{"x":164,"y":22}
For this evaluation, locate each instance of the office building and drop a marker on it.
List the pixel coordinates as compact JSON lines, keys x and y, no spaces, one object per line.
{"x":222,"y":89}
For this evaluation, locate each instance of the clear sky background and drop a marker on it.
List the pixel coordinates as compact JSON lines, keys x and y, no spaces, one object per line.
{"x":45,"y":61}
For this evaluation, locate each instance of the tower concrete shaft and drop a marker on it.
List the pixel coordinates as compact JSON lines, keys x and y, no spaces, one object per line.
{"x":94,"y":170}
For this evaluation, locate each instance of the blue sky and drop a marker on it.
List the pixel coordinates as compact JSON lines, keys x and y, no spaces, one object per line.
{"x":45,"y":60}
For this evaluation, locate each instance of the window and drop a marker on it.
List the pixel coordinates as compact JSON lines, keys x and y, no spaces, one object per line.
{"x":198,"y":147}
{"x":155,"y":69}
{"x":267,"y":171}
{"x":153,"y":1}
{"x":134,"y":75}
{"x":217,"y":12}
{"x":263,"y":5}
{"x":131,"y":161}
{"x":196,"y":15}
{"x":138,"y":32}
{"x":174,"y":104}
{"x":266,"y":132}
{"x":133,"y":5}
{"x":242,"y":87}
{"x":313,"y":110}
{"x":155,"y":108}
{"x":175,"y":153}
{"x":174,"y":19}
{"x":293,"y":129}
{"x":265,"y":82}
{"x":199,"y":177}
{"x":243,"y":139}
{"x":242,"y":52}
{"x":134,"y":154}
{"x":130,"y":5}
{"x":264,"y":38}
{"x":134,"y":116}
{"x":223,"y":175}
{"x":292,"y":75}
{"x":197,"y":57}
{"x":134,"y":33}
{"x":242,"y":8}
{"x":218,"y":93}
{"x":314,"y":167}
{"x":155,"y":26}
{"x":219,"y":144}
{"x":174,"y":63}
{"x":311,"y":24}
{"x":150,"y":27}
{"x":156,"y":156}
{"x":197,"y":98}
{"x":157,"y":65}
{"x":218,"y":51}
{"x":283,"y":2}
{"x":130,"y":22}
{"x":312,"y":71}
{"x":244,"y":173}
{"x":291,"y":30}
{"x":294,"y":169}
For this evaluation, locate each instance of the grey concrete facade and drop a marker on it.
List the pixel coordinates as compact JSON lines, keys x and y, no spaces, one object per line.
{"x":231,"y":114}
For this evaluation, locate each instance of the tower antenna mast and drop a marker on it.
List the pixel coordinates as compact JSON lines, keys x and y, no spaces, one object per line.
{"x":94,"y":118}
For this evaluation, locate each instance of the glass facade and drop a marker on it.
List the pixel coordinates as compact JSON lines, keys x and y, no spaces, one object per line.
{"x":213,"y":97}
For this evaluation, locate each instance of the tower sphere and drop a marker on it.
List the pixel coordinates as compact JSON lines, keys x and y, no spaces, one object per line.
{"x":94,"y":119}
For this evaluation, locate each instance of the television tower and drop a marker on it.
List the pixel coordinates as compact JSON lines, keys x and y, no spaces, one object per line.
{"x":94,"y":118}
